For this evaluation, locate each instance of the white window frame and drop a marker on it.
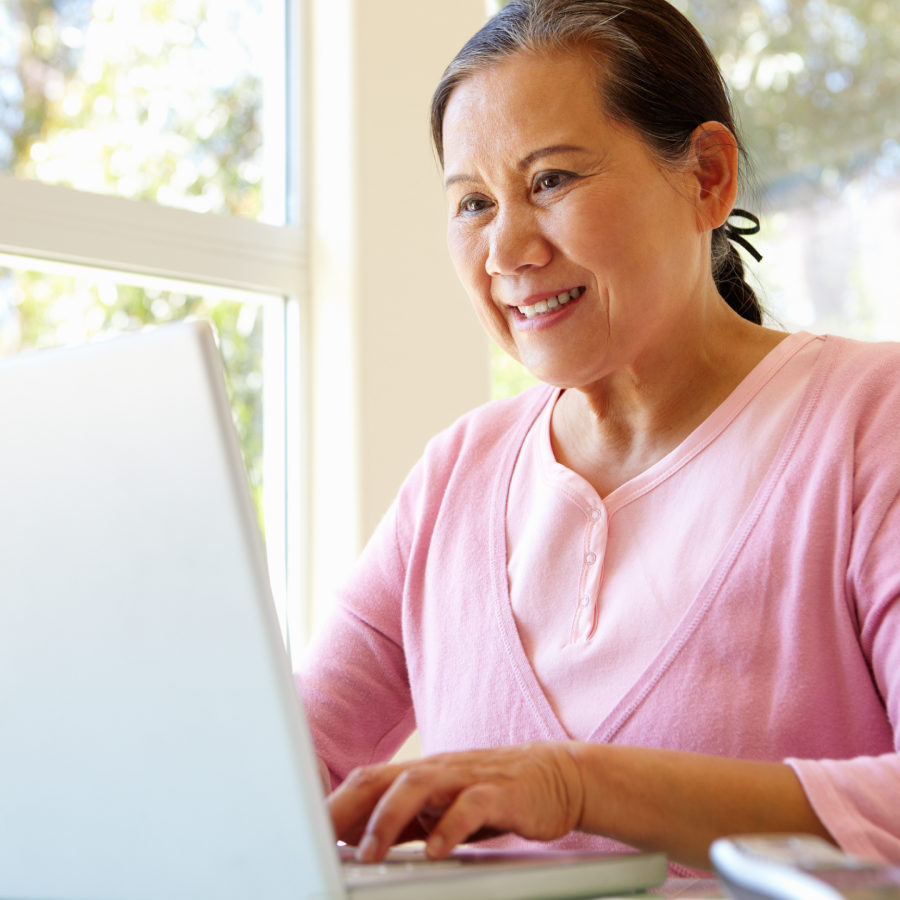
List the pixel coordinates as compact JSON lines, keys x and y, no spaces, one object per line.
{"x":60,"y":228}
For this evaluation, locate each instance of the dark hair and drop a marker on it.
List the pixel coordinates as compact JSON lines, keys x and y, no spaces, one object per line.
{"x":655,"y":74}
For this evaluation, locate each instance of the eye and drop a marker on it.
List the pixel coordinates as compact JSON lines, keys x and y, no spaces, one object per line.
{"x":547,"y":181}
{"x":472,"y":203}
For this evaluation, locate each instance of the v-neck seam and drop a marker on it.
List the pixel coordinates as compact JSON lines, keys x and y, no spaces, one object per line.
{"x":523,"y":670}
{"x":700,"y":606}
{"x":695,"y":443}
{"x":708,"y":431}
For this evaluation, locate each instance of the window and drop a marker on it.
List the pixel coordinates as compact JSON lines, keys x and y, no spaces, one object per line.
{"x":816,"y":84}
{"x":148,"y":170}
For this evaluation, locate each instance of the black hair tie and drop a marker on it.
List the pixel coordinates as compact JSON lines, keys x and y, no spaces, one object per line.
{"x":736,"y":232}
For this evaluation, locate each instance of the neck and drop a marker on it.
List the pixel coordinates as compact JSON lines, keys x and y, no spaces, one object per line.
{"x":614,"y":429}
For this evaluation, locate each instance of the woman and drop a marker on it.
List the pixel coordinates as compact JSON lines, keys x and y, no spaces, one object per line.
{"x":649,"y":602}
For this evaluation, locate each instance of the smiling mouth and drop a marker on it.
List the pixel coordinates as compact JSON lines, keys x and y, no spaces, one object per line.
{"x":542,"y":307}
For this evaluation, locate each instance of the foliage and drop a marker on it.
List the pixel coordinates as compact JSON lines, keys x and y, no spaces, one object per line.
{"x":508,"y":376}
{"x":155,"y":100}
{"x":816,"y":82}
{"x":151,"y":99}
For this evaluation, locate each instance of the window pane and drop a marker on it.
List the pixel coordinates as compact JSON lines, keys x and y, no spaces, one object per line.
{"x":41,"y":309}
{"x":508,"y":377}
{"x":158,"y":100}
{"x":816,"y":84}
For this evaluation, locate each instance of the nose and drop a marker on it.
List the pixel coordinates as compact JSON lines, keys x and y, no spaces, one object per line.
{"x":516,"y":243}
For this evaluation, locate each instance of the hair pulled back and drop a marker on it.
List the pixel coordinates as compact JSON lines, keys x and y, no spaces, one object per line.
{"x":654,"y":73}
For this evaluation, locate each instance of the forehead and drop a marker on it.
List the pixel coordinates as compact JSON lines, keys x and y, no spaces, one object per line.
{"x":531,"y":96}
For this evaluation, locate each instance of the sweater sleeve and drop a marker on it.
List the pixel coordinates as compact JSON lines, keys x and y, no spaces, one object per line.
{"x":856,"y":799}
{"x":353,"y":679}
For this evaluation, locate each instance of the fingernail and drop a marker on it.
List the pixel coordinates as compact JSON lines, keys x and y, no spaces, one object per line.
{"x":368,"y":849}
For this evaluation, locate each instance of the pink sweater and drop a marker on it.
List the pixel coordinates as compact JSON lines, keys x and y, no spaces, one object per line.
{"x":790,"y":650}
{"x":598,"y":585}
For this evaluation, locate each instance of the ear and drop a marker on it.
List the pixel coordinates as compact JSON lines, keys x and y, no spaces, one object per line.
{"x":714,"y":171}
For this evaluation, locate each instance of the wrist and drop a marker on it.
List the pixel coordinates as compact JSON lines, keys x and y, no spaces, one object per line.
{"x":581,"y":767}
{"x":614,"y":794}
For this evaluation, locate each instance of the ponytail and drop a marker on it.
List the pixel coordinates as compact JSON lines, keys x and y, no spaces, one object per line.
{"x":728,"y":272}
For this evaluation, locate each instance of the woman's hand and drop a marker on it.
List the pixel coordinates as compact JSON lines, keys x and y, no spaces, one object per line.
{"x":534,"y":790}
{"x":649,"y":798}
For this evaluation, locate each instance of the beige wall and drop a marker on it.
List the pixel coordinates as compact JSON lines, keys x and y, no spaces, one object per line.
{"x":397,"y":352}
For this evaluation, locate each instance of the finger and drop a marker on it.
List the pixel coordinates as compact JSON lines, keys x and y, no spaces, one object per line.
{"x":352,"y":802}
{"x":422,"y":789}
{"x":476,"y":812}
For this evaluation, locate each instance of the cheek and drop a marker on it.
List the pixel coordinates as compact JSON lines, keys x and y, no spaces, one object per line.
{"x":591,"y":228}
{"x":610,"y":245}
{"x":466,"y":257}
{"x":468,"y":254}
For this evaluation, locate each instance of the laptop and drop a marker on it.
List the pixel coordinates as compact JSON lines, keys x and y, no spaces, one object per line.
{"x":152,"y":744}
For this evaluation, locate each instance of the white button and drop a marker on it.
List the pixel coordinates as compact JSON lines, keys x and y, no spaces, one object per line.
{"x":591,"y":558}
{"x":596,"y":514}
{"x":586,"y":601}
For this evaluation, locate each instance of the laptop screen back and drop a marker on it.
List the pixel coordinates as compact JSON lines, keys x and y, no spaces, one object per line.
{"x":152,"y":745}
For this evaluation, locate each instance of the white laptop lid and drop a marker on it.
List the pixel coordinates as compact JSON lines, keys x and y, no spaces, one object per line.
{"x":152,"y":742}
{"x":152,"y":745}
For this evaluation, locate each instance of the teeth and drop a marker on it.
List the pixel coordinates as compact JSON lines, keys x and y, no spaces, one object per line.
{"x":551,"y":303}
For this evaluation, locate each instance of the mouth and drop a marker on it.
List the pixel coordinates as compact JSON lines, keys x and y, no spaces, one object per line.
{"x":548,"y":305}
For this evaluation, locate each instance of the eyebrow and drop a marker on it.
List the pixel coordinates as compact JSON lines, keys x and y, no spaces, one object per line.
{"x":525,"y":162}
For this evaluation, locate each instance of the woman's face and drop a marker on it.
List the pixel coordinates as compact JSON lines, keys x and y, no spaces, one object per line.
{"x":579,"y":251}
